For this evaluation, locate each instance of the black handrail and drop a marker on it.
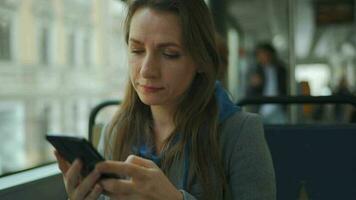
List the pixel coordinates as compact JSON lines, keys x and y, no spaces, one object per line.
{"x":95,"y":111}
{"x":334,"y":99}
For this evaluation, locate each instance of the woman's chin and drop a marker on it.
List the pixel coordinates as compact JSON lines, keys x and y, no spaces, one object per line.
{"x":151,"y":101}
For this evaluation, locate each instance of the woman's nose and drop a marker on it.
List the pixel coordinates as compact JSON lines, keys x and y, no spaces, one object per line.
{"x":150,"y":67}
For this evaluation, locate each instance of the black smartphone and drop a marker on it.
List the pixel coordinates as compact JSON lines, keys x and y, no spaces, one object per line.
{"x":71,"y":148}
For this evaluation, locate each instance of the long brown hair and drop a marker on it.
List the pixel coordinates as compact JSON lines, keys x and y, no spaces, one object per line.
{"x":196,"y":117}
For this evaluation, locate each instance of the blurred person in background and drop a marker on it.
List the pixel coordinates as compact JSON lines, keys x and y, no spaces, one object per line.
{"x":268,"y":78}
{"x":305,"y":112}
{"x":343,"y":113}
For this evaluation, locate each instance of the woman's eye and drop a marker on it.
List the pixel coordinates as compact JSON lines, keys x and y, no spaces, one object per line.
{"x":170,"y":55}
{"x":137,"y":51}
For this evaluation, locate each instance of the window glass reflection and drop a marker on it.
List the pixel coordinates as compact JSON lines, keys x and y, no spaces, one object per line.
{"x":81,"y":44}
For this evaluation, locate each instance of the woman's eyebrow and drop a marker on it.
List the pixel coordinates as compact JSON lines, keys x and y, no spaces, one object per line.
{"x":168,"y":44}
{"x":135,"y":41}
{"x":160,"y":45}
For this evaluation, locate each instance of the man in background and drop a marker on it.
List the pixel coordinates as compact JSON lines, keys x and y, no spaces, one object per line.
{"x":269,"y":78}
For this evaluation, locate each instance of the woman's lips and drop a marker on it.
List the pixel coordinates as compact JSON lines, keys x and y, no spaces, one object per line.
{"x":150,"y":89}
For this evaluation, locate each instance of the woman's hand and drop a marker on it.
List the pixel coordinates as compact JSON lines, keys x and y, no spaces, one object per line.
{"x":77,"y":189}
{"x":146,"y":182}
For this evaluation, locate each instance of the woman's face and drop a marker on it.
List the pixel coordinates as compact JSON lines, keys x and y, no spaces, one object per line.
{"x":160,"y":68}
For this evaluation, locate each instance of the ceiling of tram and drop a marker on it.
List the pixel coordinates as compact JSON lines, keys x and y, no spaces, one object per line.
{"x":267,"y":20}
{"x":261,"y":19}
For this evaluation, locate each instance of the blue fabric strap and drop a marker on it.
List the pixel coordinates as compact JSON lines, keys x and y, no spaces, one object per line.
{"x":186,"y":165}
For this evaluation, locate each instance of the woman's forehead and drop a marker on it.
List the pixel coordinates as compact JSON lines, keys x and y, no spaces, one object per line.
{"x":151,"y":25}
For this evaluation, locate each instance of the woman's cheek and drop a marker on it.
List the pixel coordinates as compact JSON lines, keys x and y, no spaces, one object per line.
{"x":134,"y":70}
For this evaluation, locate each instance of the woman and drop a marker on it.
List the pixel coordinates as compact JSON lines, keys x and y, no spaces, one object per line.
{"x":176,"y":135}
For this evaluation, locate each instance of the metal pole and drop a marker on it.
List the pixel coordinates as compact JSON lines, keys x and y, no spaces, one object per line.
{"x":218,"y":10}
{"x":292,"y":57}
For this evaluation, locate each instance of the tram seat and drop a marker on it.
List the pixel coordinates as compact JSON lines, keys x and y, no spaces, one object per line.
{"x":321,"y":159}
{"x":314,"y":161}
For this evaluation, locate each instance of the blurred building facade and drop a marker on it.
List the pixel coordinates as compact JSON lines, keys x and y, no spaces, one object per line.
{"x":58,"y":58}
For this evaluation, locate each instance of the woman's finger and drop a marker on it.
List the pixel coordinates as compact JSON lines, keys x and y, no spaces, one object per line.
{"x":73,"y":176}
{"x":121,"y":169}
{"x":141,"y":161}
{"x":63,"y":165}
{"x":87,"y":184}
{"x":95,"y":193}
{"x":117,"y":186}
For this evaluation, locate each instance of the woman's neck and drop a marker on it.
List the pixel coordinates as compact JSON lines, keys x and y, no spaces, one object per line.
{"x":163,"y":125}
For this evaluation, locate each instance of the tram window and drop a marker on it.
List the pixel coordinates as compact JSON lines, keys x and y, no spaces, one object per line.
{"x":44,"y":46}
{"x":34,"y":100}
{"x":317,"y":76}
{"x":71,"y":48}
{"x":5,"y":38}
{"x":87,"y":50}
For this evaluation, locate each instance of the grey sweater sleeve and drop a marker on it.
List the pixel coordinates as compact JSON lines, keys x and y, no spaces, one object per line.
{"x":248,"y":161}
{"x":251,"y":172}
